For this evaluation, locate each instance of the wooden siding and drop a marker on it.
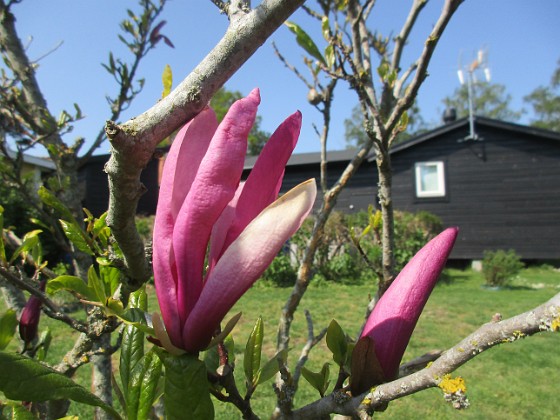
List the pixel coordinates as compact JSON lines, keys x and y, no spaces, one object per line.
{"x":97,"y":186}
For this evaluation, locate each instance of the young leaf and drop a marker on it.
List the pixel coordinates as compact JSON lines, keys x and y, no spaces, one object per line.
{"x":51,"y":200}
{"x":138,"y":319}
{"x":73,"y":284}
{"x":271,"y":367}
{"x":318,"y":380}
{"x":100,"y":224}
{"x":305,"y":41}
{"x":25,"y":379}
{"x":252,"y":359}
{"x":326,"y":27}
{"x":225,"y":332}
{"x":186,"y":387}
{"x":43,"y":345}
{"x":76,"y":235}
{"x":16,"y":411}
{"x":30,"y":240}
{"x":95,"y":283}
{"x":111,"y":277}
{"x":167,"y":80}
{"x":329,"y":56}
{"x":337,"y":343}
{"x":142,"y":387}
{"x":8,"y":324}
{"x":132,"y":347}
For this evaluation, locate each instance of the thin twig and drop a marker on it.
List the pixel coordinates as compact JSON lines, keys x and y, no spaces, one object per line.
{"x":53,"y":310}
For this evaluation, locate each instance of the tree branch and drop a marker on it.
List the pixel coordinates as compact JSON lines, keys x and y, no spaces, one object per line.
{"x":421,"y":73}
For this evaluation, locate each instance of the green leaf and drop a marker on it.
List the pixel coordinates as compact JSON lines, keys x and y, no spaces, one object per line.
{"x":252,"y":359}
{"x":132,"y":347}
{"x":318,"y":380}
{"x":8,"y":324}
{"x":95,"y":283}
{"x":326,"y":28}
{"x":329,"y":56}
{"x":305,"y":41}
{"x":30,"y":240}
{"x":186,"y":387}
{"x":139,"y":319}
{"x":51,"y":200}
{"x":16,"y":411}
{"x":44,"y":344}
{"x":100,"y":224}
{"x":142,"y":388}
{"x":167,"y":80}
{"x":71,"y":283}
{"x":225,"y":332}
{"x":41,"y":224}
{"x":25,"y":379}
{"x":337,"y":343}
{"x":111,"y":277}
{"x":76,"y":235}
{"x":271,"y":367}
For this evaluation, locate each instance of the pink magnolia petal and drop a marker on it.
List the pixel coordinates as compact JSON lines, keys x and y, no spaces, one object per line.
{"x":213,"y":188}
{"x":220,"y":229}
{"x":264,"y":181}
{"x":179,"y":171}
{"x":395,"y":315}
{"x":245,"y":260}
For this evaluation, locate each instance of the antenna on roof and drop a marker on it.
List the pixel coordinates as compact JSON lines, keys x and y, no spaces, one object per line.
{"x":468,"y":74}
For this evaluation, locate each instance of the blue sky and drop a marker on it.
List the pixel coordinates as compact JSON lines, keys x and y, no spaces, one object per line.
{"x":521,"y":38}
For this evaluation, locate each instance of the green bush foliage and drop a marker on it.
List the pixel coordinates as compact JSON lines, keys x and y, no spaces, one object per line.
{"x":500,"y":266}
{"x":280,"y":273}
{"x":337,"y":258}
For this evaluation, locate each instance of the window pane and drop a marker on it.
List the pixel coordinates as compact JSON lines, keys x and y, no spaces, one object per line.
{"x":429,"y":178}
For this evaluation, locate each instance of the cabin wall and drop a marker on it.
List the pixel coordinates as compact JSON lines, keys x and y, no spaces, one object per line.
{"x":97,"y":186}
{"x":503,"y":192}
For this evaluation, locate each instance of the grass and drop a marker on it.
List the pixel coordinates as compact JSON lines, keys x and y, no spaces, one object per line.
{"x":514,"y":381}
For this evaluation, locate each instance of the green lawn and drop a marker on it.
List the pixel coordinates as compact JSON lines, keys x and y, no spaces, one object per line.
{"x":513,"y":381}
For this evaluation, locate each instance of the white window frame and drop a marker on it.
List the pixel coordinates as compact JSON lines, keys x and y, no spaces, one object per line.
{"x":439,"y":191}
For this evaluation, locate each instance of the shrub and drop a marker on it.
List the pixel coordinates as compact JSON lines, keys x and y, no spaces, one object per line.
{"x":337,"y":259}
{"x":500,"y":266}
{"x":280,"y":272}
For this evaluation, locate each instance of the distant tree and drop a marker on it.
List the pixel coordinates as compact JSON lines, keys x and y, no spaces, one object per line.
{"x":356,"y":136}
{"x":545,"y":101}
{"x":221,"y":102}
{"x":490,"y":100}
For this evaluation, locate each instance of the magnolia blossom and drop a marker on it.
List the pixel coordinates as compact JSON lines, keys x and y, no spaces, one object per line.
{"x":394,"y":317}
{"x":215,"y":236}
{"x":30,"y":316}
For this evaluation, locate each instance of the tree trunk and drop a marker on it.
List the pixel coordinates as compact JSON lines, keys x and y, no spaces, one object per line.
{"x":385,"y":195}
{"x":101,"y":376}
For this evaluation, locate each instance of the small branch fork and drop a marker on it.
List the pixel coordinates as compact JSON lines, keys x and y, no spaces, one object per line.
{"x":545,"y":317}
